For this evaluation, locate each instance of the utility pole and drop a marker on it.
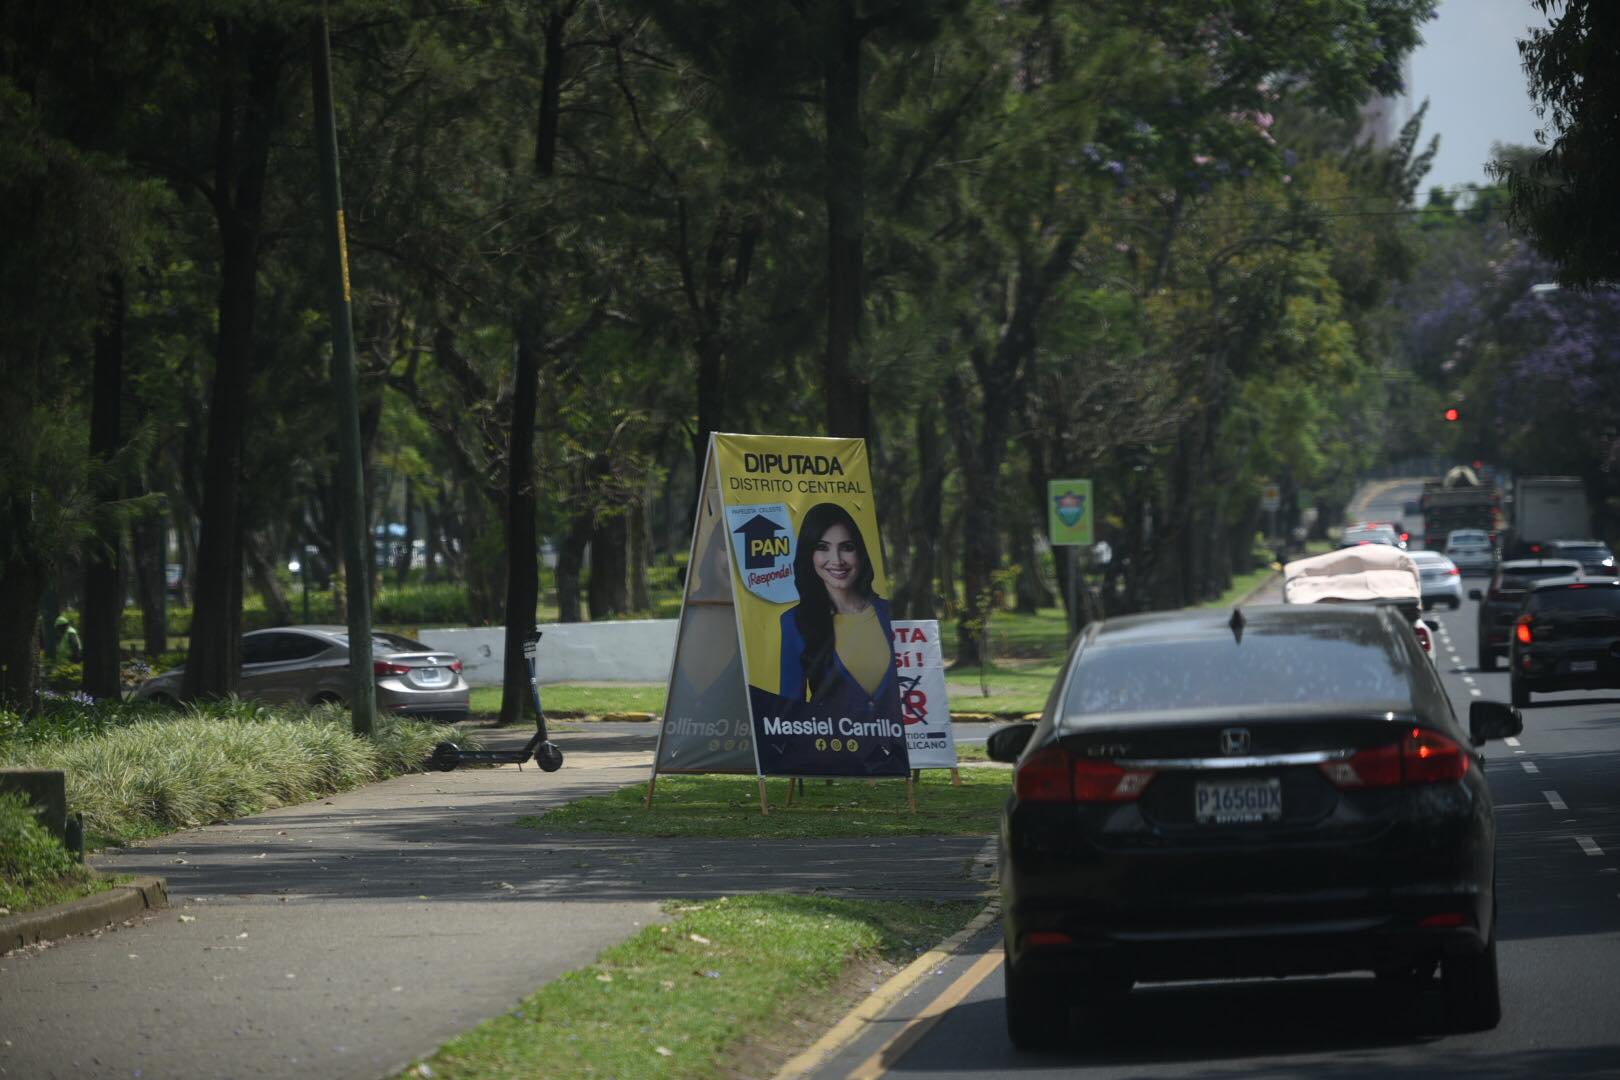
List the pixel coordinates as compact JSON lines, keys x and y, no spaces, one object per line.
{"x":345,"y":387}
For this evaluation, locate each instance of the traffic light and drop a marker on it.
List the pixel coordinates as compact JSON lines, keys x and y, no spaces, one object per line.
{"x":1453,"y":415}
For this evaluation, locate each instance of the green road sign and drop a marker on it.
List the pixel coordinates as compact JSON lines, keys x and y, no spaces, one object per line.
{"x":1069,"y":510}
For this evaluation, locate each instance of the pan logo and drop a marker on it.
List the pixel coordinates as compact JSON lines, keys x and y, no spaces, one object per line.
{"x":762,"y":540}
{"x":1234,"y":740}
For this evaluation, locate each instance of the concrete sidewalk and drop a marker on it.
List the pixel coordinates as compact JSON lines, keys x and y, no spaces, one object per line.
{"x":348,"y":937}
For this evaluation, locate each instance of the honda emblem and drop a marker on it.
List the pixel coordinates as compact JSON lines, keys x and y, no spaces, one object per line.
{"x":1234,"y":740}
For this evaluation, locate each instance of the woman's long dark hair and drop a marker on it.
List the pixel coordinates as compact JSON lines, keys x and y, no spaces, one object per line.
{"x":815,"y":611}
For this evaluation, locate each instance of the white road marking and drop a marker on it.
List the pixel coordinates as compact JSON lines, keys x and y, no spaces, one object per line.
{"x":1512,"y":740}
{"x":1531,"y":767}
{"x":1469,"y":679}
{"x":1557,"y":803}
{"x":1476,"y":691}
{"x":1589,"y":845}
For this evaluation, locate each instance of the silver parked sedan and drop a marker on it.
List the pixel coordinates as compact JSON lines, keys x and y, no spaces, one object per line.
{"x":309,"y":665}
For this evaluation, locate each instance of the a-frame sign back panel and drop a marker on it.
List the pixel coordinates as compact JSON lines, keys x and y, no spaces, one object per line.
{"x":706,"y":725}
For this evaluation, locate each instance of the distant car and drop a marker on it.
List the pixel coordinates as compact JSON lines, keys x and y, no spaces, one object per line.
{"x":1442,"y":580}
{"x":309,"y":665}
{"x":1370,"y":534}
{"x":1594,"y":555}
{"x":1362,"y":574}
{"x":1276,"y":791}
{"x":1567,"y":637}
{"x":1500,"y":602}
{"x":1471,"y":550}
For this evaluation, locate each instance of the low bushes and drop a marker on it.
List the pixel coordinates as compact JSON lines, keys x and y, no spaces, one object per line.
{"x":35,"y":869}
{"x":136,"y":771}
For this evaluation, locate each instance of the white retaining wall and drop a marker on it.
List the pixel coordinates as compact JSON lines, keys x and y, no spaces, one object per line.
{"x":638,"y":650}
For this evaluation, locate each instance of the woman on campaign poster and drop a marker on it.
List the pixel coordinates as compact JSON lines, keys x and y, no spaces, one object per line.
{"x":837,"y":651}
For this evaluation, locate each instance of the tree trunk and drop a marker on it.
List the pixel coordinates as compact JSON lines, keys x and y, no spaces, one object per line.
{"x":22,"y":581}
{"x":522,"y":541}
{"x":240,"y":166}
{"x":928,"y":501}
{"x":570,"y":561}
{"x":147,"y":548}
{"x":640,"y":555}
{"x":609,"y":592}
{"x":261,"y":562}
{"x":103,"y":593}
{"x":847,"y":394}
{"x":402,"y":564}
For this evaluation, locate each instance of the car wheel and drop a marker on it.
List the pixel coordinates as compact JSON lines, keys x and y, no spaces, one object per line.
{"x":1469,"y":991}
{"x":1519,"y":692}
{"x":1487,"y":659}
{"x":328,"y":698}
{"x":1037,"y":1009}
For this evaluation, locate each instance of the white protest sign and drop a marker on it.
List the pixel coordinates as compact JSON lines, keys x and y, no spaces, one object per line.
{"x":930,"y":741}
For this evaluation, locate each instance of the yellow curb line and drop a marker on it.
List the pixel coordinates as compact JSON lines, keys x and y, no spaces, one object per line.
{"x":844,"y":1032}
{"x":892,"y":1051}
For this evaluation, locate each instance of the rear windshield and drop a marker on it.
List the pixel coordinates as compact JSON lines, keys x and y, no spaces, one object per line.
{"x":1305,"y":663}
{"x":1467,"y":542}
{"x":1577,"y":598}
{"x":1519,"y":580}
{"x":1587,"y":553}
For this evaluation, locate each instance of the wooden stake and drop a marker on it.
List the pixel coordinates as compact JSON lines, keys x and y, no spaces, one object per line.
{"x":764,"y":800}
{"x":956,"y":777}
{"x":911,"y":794}
{"x":791,"y":786}
{"x":652,"y":782}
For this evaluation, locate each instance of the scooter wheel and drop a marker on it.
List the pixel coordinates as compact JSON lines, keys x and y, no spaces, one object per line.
{"x":549,"y":757}
{"x":446,"y":756}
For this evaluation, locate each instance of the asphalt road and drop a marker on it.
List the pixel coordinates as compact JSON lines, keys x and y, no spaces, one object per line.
{"x":1558,"y":867}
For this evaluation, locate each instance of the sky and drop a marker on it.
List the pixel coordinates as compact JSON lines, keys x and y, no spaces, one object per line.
{"x":1468,"y":68}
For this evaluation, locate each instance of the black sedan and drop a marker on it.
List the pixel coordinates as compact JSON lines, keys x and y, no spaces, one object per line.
{"x":1275,"y":791}
{"x":1499,"y":604}
{"x":1567,"y":637}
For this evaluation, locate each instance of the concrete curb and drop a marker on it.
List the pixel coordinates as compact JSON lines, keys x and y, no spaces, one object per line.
{"x":83,"y":915}
{"x":871,"y":1009}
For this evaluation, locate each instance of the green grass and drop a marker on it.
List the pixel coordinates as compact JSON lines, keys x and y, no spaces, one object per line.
{"x":139,"y":772}
{"x":35,"y":869}
{"x":566,"y":699}
{"x":728,"y":806}
{"x":686,"y":999}
{"x":1241,"y":586}
{"x":1014,"y":687}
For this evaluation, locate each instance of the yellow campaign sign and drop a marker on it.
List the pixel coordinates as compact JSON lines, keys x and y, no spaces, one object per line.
{"x":812,"y":605}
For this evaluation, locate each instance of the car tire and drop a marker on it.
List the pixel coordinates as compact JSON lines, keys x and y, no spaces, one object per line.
{"x":1487,"y":659}
{"x":1520,"y":693}
{"x":328,"y":699}
{"x":1037,"y":1009}
{"x":1470,"y":993}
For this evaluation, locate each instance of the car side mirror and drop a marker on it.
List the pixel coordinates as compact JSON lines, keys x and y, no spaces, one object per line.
{"x":1006,"y":744}
{"x":1493,"y":720}
{"x":1473,"y":594}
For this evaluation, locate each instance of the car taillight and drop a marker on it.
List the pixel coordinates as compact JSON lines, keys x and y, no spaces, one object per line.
{"x":383,"y":667}
{"x":455,"y":666}
{"x":1523,"y":630}
{"x":1430,"y":758}
{"x":1051,"y":776}
{"x":1421,"y":757}
{"x":1044,"y":777}
{"x":1405,"y":537}
{"x":1454,"y":572}
{"x":1425,"y":638}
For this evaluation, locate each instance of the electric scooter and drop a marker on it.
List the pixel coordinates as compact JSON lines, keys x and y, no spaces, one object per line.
{"x":546,"y":754}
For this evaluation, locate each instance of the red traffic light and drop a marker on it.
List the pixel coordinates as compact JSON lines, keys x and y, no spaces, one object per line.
{"x":1452,"y":414}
